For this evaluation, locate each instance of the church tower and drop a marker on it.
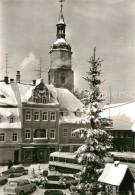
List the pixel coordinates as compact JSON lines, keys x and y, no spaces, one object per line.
{"x":61,"y":74}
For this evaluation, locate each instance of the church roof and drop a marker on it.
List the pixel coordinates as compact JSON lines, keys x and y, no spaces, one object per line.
{"x":61,"y":18}
{"x":61,"y":43}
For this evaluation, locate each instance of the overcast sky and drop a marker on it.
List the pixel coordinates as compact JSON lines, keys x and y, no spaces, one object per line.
{"x":28,"y":29}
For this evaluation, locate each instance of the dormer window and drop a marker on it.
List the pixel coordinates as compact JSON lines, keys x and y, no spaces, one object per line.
{"x":64,"y":112}
{"x":78,"y":113}
{"x":11,"y":119}
{"x":2,"y":96}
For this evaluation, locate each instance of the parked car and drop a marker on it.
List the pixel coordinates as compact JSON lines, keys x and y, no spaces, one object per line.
{"x":53,"y":192}
{"x":20,"y":187}
{"x":59,"y":181}
{"x":15,"y":172}
{"x":37,"y":180}
{"x":3,"y":180}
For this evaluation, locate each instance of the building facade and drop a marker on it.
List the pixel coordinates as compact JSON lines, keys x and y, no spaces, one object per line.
{"x":123,"y":131}
{"x":40,"y":125}
{"x":10,"y":126}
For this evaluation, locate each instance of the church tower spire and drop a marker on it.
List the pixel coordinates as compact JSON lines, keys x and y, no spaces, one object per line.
{"x":61,"y":74}
{"x":61,"y":24}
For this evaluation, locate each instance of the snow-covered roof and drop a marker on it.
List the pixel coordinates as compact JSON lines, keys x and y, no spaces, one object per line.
{"x":7,"y":96}
{"x":25,"y":91}
{"x":123,"y":115}
{"x":61,"y":43}
{"x":5,"y":121}
{"x":68,"y":101}
{"x":60,"y":40}
{"x":114,"y":174}
{"x":62,"y":154}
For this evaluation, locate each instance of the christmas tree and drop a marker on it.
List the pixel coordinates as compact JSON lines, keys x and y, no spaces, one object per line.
{"x":96,"y":140}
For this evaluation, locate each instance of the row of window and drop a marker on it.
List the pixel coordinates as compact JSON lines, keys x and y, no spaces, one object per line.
{"x":39,"y":99}
{"x":14,"y":137}
{"x":11,"y":119}
{"x":122,"y":134}
{"x":65,"y":132}
{"x":122,"y":148}
{"x":40,"y":133}
{"x":37,"y":116}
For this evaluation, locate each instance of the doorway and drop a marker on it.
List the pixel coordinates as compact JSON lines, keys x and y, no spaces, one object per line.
{"x":16,"y":157}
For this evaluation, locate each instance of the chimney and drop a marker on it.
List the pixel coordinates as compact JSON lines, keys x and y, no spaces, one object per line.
{"x":34,"y":82}
{"x":116,"y":163}
{"x":18,"y":77}
{"x":11,"y":80}
{"x":6,"y":79}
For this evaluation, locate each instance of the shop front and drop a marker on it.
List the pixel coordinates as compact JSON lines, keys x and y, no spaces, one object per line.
{"x":10,"y":152}
{"x":36,"y":154}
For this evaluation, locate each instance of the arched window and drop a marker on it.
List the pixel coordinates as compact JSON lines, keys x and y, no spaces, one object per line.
{"x":44,"y":99}
{"x":63,"y":78}
{"x":36,"y":99}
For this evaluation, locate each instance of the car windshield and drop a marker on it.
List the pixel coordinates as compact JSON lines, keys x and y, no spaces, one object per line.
{"x":13,"y":183}
{"x":54,"y":192}
{"x":53,"y":178}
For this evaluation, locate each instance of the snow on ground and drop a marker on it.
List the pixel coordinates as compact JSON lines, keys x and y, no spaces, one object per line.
{"x":38,"y":191}
{"x":3,"y":168}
